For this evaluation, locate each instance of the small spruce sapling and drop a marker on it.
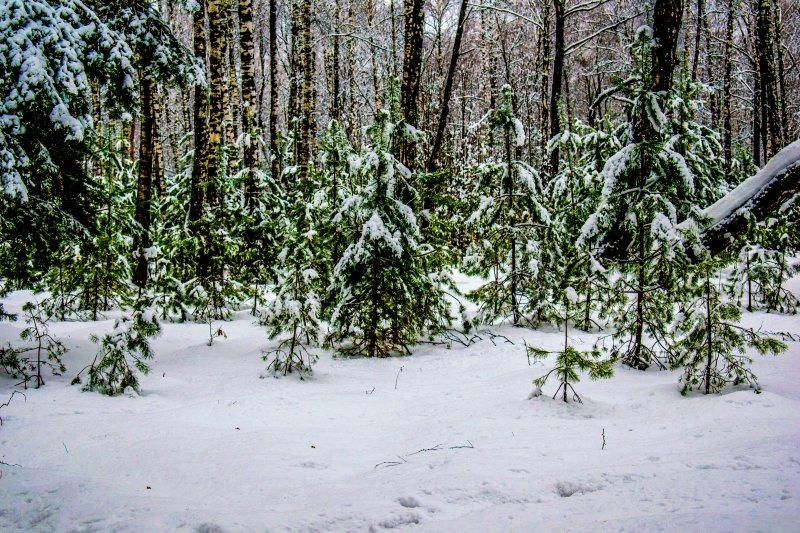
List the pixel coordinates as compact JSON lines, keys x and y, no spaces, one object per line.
{"x":710,"y":345}
{"x":569,"y":360}
{"x":122,"y":352}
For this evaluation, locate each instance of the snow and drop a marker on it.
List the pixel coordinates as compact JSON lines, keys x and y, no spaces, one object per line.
{"x":443,"y":440}
{"x":749,"y":188}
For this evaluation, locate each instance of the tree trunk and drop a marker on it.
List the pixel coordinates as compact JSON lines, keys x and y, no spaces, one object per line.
{"x":412,"y":72}
{"x":145,"y":181}
{"x":698,"y":37}
{"x":667,"y":19}
{"x":727,"y":133}
{"x":250,"y":152}
{"x":558,"y":74}
{"x":199,"y":172}
{"x":448,"y":88}
{"x":771,"y":123}
{"x":273,"y":89}
{"x":217,"y":25}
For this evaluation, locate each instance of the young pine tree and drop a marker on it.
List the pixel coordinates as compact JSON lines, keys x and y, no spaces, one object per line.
{"x":710,"y":345}
{"x":570,"y":360}
{"x":122,"y":353}
{"x":296,"y":306}
{"x":384,"y":297}
{"x":512,"y":230}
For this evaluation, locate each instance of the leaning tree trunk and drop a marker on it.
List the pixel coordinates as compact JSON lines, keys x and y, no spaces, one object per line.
{"x":776,"y":184}
{"x":448,"y":88}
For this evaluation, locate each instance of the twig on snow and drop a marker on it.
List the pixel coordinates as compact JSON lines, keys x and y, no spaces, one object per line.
{"x":8,"y":402}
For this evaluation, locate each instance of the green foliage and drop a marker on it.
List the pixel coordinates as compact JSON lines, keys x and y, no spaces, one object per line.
{"x":570,"y":361}
{"x":572,"y":196}
{"x":91,"y":272}
{"x":766,"y":262}
{"x":43,"y":349}
{"x":384,"y":297}
{"x":512,"y":230}
{"x":296,"y":306}
{"x":667,"y":168}
{"x":710,"y":345}
{"x":122,"y":353}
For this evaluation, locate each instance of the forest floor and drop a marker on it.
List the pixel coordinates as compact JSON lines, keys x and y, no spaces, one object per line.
{"x":443,"y":440}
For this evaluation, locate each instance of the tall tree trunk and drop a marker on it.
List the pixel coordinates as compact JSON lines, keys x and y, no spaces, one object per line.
{"x":667,"y":19}
{"x":783,"y":120}
{"x":199,"y":171}
{"x":412,"y":72}
{"x":448,"y":88}
{"x":158,"y":144}
{"x":771,"y":124}
{"x":558,"y":74}
{"x":306,"y":120}
{"x":273,"y":89}
{"x":144,"y":184}
{"x":544,"y":68}
{"x":727,"y":129}
{"x":336,"y":104}
{"x":250,"y":153}
{"x":698,"y":37}
{"x":217,"y":25}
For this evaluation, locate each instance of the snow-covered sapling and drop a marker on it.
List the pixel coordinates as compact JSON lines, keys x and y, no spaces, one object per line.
{"x":710,"y":345}
{"x":384,"y":296}
{"x":122,"y":352}
{"x":296,"y":306}
{"x":570,"y":360}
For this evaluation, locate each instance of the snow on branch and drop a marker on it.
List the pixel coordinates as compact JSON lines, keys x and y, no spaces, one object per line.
{"x":776,"y":184}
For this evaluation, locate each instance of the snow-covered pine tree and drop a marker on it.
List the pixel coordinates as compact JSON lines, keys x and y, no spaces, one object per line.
{"x":710,"y":345}
{"x":50,"y":55}
{"x":91,"y":272}
{"x":335,"y":186}
{"x":572,"y":195}
{"x":122,"y":353}
{"x":296,"y":306}
{"x":648,"y":187}
{"x":512,"y":229}
{"x":766,"y":261}
{"x":384,"y":298}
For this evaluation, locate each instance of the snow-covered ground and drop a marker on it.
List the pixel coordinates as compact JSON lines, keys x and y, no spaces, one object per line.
{"x":444,"y":440}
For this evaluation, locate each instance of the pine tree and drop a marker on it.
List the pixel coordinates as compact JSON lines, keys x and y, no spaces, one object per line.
{"x":766,"y":262}
{"x":512,"y":229}
{"x":385,"y":299}
{"x":43,"y":349}
{"x":570,"y":360}
{"x":648,"y":187}
{"x":296,"y":306}
{"x":710,"y":345}
{"x":122,"y":353}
